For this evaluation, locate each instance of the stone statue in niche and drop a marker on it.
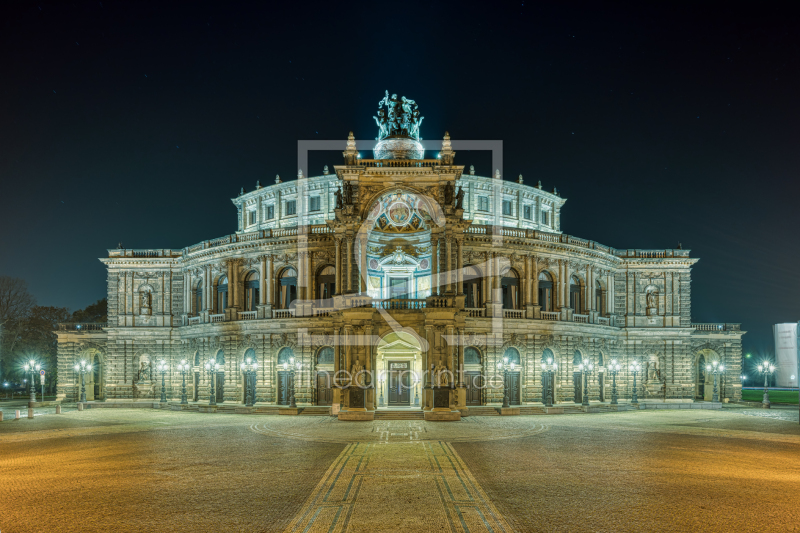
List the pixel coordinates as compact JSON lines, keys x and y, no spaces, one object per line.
{"x":147,"y":301}
{"x":651,"y":299}
{"x":144,"y":371}
{"x":441,"y":374}
{"x":652,"y":372}
{"x":448,"y":194}
{"x":357,"y":373}
{"x":347,"y":193}
{"x":339,"y":203}
{"x":460,"y":198}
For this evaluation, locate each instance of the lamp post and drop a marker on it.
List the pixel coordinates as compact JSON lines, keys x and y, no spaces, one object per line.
{"x":163,"y":367}
{"x":249,"y":368}
{"x":715,"y":367}
{"x":548,"y":370}
{"x":183,"y":368}
{"x":292,"y":365}
{"x":635,"y":369}
{"x":381,"y":381}
{"x":32,"y":366}
{"x":586,"y":368}
{"x":416,"y":389}
{"x":766,"y":368}
{"x":505,"y":366}
{"x":212,"y":367}
{"x":82,"y":368}
{"x":613,"y":369}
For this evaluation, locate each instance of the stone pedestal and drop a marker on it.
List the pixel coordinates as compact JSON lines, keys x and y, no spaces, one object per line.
{"x":143,"y":388}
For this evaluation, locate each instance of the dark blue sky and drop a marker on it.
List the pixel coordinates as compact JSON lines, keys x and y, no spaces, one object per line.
{"x":137,"y":122}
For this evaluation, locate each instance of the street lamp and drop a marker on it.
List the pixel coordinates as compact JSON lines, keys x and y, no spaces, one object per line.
{"x":82,"y":368}
{"x":586,"y":368}
{"x":766,"y":368}
{"x":635,"y":369}
{"x":505,"y":366}
{"x":163,"y":367}
{"x":212,"y":367}
{"x":613,"y":369}
{"x":548,"y":370}
{"x":381,"y":381}
{"x":249,"y":368}
{"x":715,"y":367}
{"x":292,"y":365}
{"x":183,"y":368}
{"x":32,"y":366}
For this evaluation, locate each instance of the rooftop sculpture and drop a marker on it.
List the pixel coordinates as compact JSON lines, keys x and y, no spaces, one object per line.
{"x":400,"y":119}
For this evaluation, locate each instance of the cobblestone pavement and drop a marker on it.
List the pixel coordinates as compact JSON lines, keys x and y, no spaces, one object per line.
{"x":148,"y":470}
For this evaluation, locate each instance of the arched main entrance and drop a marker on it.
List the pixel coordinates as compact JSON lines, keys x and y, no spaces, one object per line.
{"x":399,"y":363}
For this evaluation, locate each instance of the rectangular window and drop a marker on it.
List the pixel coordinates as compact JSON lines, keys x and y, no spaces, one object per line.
{"x":313,"y":204}
{"x":270,"y":212}
{"x":526,"y":212}
{"x":507,"y":207}
{"x":483,"y":203}
{"x":546,"y":218}
{"x":251,"y":216}
{"x":291,"y":207}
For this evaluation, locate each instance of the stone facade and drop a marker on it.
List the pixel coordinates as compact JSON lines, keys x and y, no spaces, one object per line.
{"x":403,"y":262}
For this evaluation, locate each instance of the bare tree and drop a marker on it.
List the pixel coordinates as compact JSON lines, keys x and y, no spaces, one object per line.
{"x":15,"y":304}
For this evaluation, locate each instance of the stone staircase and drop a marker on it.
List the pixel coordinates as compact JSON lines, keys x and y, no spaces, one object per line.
{"x":316,"y":410}
{"x":531,"y":410}
{"x":399,"y":415}
{"x":483,"y":410}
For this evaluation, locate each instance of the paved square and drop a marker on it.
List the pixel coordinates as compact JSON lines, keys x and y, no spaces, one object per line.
{"x":150,"y":470}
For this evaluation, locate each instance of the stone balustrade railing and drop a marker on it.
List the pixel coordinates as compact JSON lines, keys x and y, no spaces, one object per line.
{"x":717,"y":327}
{"x":82,"y":326}
{"x":283,"y":313}
{"x":216,"y":318}
{"x":195,"y":320}
{"x":399,"y":304}
{"x":551,"y":315}
{"x":513,"y":313}
{"x":247,"y":315}
{"x":581,"y":319}
{"x":475,"y":312}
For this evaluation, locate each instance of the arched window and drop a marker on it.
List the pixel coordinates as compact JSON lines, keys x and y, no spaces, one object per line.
{"x":326,"y":286}
{"x":510,"y":285}
{"x":251,"y":291}
{"x":601,"y":359}
{"x":250,"y":354}
{"x":472,"y":356}
{"x":288,"y":291}
{"x":325,"y":356}
{"x":473,"y":287}
{"x":222,"y":294}
{"x":577,"y":359}
{"x":598,"y":298}
{"x":196,"y":358}
{"x":285,"y":356}
{"x":220,"y":357}
{"x":548,"y":354}
{"x":575,"y":294}
{"x":512,"y":354}
{"x":546,"y":292}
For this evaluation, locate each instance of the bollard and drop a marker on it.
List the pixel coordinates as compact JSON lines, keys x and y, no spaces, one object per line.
{"x":16,"y":414}
{"x":80,"y":407}
{"x":30,"y":412}
{"x":58,"y":409}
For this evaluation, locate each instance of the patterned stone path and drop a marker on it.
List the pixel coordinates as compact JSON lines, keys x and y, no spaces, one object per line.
{"x":409,"y":486}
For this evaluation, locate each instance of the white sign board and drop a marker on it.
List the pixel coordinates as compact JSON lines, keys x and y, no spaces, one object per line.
{"x":785,"y":354}
{"x":41,"y":378}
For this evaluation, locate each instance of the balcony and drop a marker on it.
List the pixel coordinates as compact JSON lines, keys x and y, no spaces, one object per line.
{"x":514,"y":313}
{"x":581,"y":319}
{"x":82,"y":327}
{"x":247,"y":315}
{"x":392,"y":304}
{"x":716,"y":327}
{"x":551,"y":315}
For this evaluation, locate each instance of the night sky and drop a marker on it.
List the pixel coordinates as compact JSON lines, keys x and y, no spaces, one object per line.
{"x":137,"y":123}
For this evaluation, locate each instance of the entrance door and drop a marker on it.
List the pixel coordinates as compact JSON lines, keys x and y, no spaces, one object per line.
{"x":220,"y":384}
{"x":474,"y":384}
{"x":577,"y":381}
{"x":324,"y":389}
{"x":284,"y":378}
{"x":399,"y":383}
{"x":513,"y":388}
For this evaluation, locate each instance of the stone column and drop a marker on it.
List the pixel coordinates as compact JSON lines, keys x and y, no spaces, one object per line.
{"x":187,"y":292}
{"x":449,"y":263}
{"x":208,"y":295}
{"x":434,"y":264}
{"x":427,"y":356}
{"x":262,"y":284}
{"x":338,"y":266}
{"x":362,"y":274}
{"x":451,"y":343}
{"x":535,"y":289}
{"x":230,"y":284}
{"x":461,"y":358}
{"x":349,"y":264}
{"x":489,"y":278}
{"x":270,"y":281}
{"x":460,"y":265}
{"x":369,"y":367}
